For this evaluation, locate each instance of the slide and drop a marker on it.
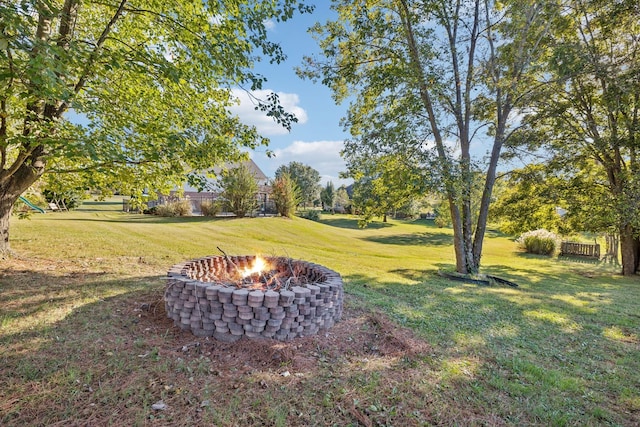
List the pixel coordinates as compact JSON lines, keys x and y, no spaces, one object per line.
{"x":31,"y":205}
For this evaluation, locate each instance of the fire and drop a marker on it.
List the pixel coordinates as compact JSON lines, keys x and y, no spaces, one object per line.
{"x":259,"y":265}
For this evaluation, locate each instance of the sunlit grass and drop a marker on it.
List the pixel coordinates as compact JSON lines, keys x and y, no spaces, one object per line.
{"x":561,"y":349}
{"x":618,"y":334}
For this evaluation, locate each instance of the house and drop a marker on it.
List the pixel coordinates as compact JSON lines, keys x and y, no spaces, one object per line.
{"x":212,"y":191}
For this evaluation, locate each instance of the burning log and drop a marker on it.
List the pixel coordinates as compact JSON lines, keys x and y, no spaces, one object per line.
{"x":275,"y":276}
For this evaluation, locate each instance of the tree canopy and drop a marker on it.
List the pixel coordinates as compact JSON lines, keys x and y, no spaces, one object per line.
{"x":588,"y":116}
{"x":239,"y":190}
{"x":133,"y":94}
{"x":306,"y":178}
{"x":431,"y":77}
{"x":383,"y":183}
{"x":285,"y":195}
{"x":328,"y":196}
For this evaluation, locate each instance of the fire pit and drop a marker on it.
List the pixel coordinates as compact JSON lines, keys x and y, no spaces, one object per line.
{"x":228,"y":297}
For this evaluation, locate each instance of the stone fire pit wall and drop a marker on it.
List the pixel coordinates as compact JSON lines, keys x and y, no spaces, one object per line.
{"x":196,"y":302}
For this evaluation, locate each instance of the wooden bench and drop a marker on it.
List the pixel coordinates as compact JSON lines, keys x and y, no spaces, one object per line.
{"x":591,"y":250}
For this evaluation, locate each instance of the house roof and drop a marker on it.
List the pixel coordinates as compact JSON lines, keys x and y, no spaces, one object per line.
{"x":255,"y":170}
{"x":215,"y":173}
{"x":249,"y":164}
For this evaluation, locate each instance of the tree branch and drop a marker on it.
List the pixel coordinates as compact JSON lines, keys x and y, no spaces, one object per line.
{"x":93,"y":56}
{"x":67,"y":22}
{"x":100,"y":165}
{"x":5,"y":174}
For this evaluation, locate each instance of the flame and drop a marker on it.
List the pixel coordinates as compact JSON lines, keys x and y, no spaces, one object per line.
{"x":259,"y":265}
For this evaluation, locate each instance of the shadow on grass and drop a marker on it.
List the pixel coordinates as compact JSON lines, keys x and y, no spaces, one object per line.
{"x":99,"y":206}
{"x":415,"y":274}
{"x":24,"y":293}
{"x":525,"y":277}
{"x":36,"y":294}
{"x":582,"y":260}
{"x":567,"y":258}
{"x":414,"y":239}
{"x":78,"y":355}
{"x":534,"y":334}
{"x":108,"y":361}
{"x":497,"y":356}
{"x":492,"y":232}
{"x":351,"y":223}
{"x":604,"y":262}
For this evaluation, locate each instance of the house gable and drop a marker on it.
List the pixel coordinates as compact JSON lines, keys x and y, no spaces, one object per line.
{"x":212,"y":182}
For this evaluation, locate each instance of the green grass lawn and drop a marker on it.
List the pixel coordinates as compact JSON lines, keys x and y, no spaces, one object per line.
{"x":76,"y":348}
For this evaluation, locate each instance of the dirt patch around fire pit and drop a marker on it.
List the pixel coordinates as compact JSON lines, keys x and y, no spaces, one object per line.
{"x":359,"y":333}
{"x":119,"y":360}
{"x":331,"y":366}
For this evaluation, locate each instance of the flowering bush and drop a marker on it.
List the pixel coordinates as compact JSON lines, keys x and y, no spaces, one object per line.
{"x":540,"y":241}
{"x":210,"y":208}
{"x":178,"y":208}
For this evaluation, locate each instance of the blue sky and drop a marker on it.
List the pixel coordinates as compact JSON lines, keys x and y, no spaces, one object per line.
{"x":316,"y":140}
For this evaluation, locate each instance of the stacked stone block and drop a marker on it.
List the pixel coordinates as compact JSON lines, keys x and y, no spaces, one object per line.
{"x":196,"y":302}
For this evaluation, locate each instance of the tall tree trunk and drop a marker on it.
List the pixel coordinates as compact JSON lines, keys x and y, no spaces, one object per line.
{"x":6,"y":206}
{"x":29,"y":164}
{"x":8,"y":197}
{"x":458,"y":241}
{"x":637,"y":247}
{"x":11,"y":187}
{"x":630,"y":248}
{"x":470,"y":267}
{"x":457,"y":217}
{"x":490,"y":180}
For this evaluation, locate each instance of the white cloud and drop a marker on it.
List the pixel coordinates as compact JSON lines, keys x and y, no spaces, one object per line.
{"x":323,"y":156}
{"x":270,"y":24}
{"x":266,"y":125}
{"x":324,"y":150}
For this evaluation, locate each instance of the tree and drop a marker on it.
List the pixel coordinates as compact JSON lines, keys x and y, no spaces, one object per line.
{"x":429,"y":77}
{"x":285,"y":194}
{"x":328,"y":197}
{"x":151,"y":81}
{"x":383,"y":183}
{"x":239,"y":190}
{"x":307,"y":180}
{"x":528,"y":201}
{"x":531,"y":197}
{"x":589,"y":117}
{"x":342,"y":198}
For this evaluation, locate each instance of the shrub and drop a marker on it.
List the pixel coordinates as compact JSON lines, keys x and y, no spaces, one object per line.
{"x":443,"y":215}
{"x":441,"y":222}
{"x":151,"y":211}
{"x":285,"y":194}
{"x":240,"y":190}
{"x":179,"y":208}
{"x":312,"y":214}
{"x":210,"y":208}
{"x":540,"y":242}
{"x":164,"y":210}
